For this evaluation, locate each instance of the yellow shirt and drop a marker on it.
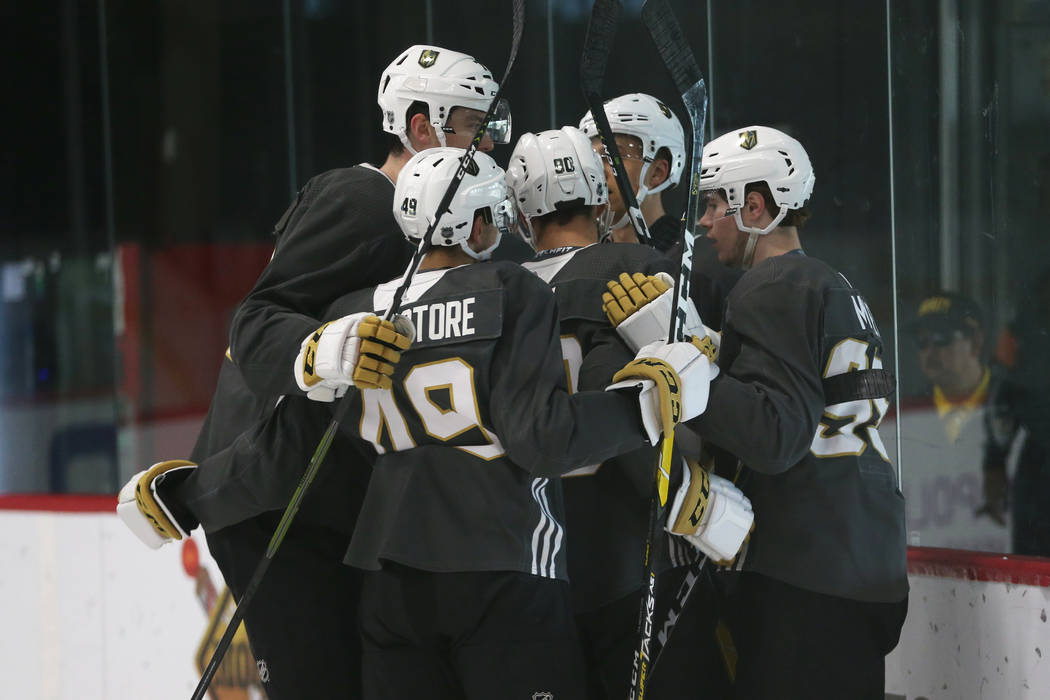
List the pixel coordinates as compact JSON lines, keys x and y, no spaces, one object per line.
{"x":955,"y":414}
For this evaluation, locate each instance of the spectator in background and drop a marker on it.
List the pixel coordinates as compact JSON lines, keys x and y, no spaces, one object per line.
{"x":1024,"y":405}
{"x":952,"y":441}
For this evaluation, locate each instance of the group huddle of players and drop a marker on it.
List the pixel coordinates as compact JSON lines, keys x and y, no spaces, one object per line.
{"x":479,"y":530}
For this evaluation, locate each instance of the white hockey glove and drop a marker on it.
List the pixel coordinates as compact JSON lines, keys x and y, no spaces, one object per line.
{"x":640,"y":306}
{"x":358,"y":349}
{"x":711,"y":513}
{"x":143,"y":510}
{"x":674,"y":380}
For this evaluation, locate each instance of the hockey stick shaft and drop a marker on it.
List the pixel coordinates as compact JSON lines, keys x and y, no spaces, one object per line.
{"x":596,"y":49}
{"x":340,"y":411}
{"x":678,"y":58}
{"x":675,"y":610}
{"x":271,"y":550}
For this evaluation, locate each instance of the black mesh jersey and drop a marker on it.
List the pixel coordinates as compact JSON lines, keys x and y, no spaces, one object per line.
{"x":337,"y":236}
{"x":607,"y":505}
{"x":477,"y":428}
{"x":829,"y":514}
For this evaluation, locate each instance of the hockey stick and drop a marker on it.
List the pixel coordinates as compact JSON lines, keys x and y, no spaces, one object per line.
{"x":596,"y":49}
{"x":518,"y":10}
{"x":678,"y":58}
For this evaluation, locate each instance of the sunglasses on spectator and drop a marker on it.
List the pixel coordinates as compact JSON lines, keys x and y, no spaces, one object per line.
{"x":939,"y":340}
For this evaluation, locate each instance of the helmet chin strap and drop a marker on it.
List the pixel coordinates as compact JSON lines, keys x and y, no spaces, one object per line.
{"x":604,"y":224}
{"x":639,"y":197}
{"x":749,"y":250}
{"x":484,"y":254}
{"x":406,"y":143}
{"x":754,"y":233}
{"x":440,"y":134}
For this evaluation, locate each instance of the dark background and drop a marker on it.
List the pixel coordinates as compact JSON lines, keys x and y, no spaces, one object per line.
{"x":149,"y":147}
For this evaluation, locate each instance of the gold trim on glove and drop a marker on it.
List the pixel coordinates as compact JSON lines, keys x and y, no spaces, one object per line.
{"x":629,"y":294}
{"x":695,"y":503}
{"x":669,"y":388}
{"x":381,"y":346}
{"x":148,"y":504}
{"x":309,"y":355}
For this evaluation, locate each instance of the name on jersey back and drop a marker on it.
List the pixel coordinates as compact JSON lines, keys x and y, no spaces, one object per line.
{"x":463,"y":318}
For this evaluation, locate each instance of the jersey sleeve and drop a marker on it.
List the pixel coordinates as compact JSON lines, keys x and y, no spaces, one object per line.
{"x":259,"y":470}
{"x":338,"y":237}
{"x":544,"y":429}
{"x":765,"y":408}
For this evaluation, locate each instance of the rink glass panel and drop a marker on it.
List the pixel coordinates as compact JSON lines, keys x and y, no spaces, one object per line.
{"x":971,"y":176}
{"x":156,"y":144}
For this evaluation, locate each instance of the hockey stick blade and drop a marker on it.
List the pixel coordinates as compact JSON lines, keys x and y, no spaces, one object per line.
{"x":518,"y":10}
{"x":670,"y":42}
{"x":597,"y":46}
{"x":678,"y":57}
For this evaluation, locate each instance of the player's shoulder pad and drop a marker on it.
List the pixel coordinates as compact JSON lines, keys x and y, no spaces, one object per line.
{"x":358,"y":185}
{"x":847,"y":314}
{"x":633,"y":257}
{"x":579,"y":285}
{"x":776,"y":275}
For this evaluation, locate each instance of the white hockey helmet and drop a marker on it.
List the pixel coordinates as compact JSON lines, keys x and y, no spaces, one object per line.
{"x":758,"y":154}
{"x":422,"y":183}
{"x":654,"y":124}
{"x":552,"y":169}
{"x":442,"y":79}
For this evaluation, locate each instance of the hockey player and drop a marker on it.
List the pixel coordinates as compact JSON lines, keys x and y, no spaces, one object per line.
{"x":823,"y":592}
{"x":337,"y":236}
{"x":461,"y":532}
{"x":652,"y":146}
{"x":557,"y":181}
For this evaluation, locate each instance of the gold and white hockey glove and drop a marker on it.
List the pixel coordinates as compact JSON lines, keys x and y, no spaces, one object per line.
{"x":382,"y":343}
{"x":674,"y":380}
{"x":711,"y":513}
{"x":639,"y":307}
{"x":143,"y":510}
{"x":358,"y":349}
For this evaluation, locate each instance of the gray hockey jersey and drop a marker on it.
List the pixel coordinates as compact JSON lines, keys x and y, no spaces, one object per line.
{"x":471,"y":440}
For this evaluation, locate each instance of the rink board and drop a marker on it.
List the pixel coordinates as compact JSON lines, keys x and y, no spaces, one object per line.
{"x":91,"y":614}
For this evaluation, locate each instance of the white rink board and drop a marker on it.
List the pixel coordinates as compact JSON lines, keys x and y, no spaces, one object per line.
{"x":972,"y":640}
{"x":90,"y":613}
